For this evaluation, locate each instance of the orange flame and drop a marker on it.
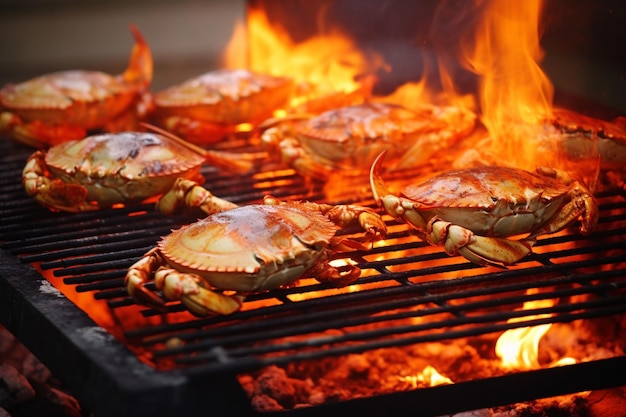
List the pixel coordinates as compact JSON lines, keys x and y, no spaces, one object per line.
{"x":429,"y":377}
{"x":515,"y":94}
{"x":321,"y":65}
{"x":519,"y":348}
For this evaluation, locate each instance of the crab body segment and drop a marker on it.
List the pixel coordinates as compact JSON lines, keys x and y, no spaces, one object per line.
{"x":248,"y":249}
{"x":62,"y":106}
{"x":348,"y":139}
{"x":106,"y":169}
{"x":204,"y":109}
{"x":479,"y":212}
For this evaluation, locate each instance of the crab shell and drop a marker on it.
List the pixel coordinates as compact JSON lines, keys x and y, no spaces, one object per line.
{"x":350,"y":138}
{"x":225,"y":97}
{"x":250,"y":248}
{"x":491,"y":200}
{"x":122,"y":167}
{"x":84,"y":98}
{"x":588,"y":137}
{"x":478,"y":212}
{"x":78,"y":100}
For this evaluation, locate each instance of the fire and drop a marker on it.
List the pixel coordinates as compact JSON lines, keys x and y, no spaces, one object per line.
{"x":519,"y":348}
{"x":429,"y":377}
{"x":515,"y":94}
{"x":322,"y":65}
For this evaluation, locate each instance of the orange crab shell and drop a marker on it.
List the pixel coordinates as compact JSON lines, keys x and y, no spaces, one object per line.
{"x":250,"y":248}
{"x":350,"y":138}
{"x":66,"y":105}
{"x":349,"y":131}
{"x":123,"y":167}
{"x":471,"y":198}
{"x":84,"y":98}
{"x":225,"y":97}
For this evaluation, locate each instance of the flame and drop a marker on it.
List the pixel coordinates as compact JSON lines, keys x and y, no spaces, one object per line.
{"x":515,"y":94}
{"x":321,"y":65}
{"x":519,"y":348}
{"x":429,"y":377}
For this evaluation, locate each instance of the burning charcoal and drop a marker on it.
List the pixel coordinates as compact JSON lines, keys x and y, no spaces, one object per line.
{"x":14,"y":387}
{"x":34,"y":370}
{"x":265,"y":403}
{"x":69,"y":404}
{"x":275,"y":383}
{"x":357,"y":365}
{"x":608,"y":403}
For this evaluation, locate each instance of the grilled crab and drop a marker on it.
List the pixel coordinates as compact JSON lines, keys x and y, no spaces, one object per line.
{"x":206,"y":108}
{"x":248,"y":249}
{"x":348,"y":139}
{"x":65,"y":105}
{"x":102,"y":170}
{"x":478,"y":212}
{"x":585,"y":138}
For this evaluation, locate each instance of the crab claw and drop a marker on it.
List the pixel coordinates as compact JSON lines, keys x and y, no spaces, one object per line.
{"x":335,"y":276}
{"x":478,"y":249}
{"x":207,"y":302}
{"x":187,"y":194}
{"x":140,"y":67}
{"x":379,"y":188}
{"x":191,"y":290}
{"x":138,"y":276}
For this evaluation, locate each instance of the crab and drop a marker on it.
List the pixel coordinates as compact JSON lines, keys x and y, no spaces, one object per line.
{"x":491,"y":215}
{"x":249,"y":249}
{"x":106,"y":169}
{"x":206,"y":108}
{"x":53,"y":108}
{"x":347,"y":140}
{"x":586,"y":138}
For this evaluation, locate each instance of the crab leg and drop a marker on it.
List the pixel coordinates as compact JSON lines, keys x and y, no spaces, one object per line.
{"x":235,"y":162}
{"x":188,"y":194}
{"x":140,"y":66}
{"x":478,"y":249}
{"x":52,"y":193}
{"x":293,"y":155}
{"x":188,"y":288}
{"x":138,"y":276}
{"x":192,"y":291}
{"x":345,"y":216}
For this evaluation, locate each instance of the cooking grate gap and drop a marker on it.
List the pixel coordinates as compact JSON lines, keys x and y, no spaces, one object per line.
{"x":393,"y":300}
{"x":250,"y":359}
{"x":104,"y":284}
{"x":365,"y":315}
{"x":116,"y":274}
{"x":491,"y":322}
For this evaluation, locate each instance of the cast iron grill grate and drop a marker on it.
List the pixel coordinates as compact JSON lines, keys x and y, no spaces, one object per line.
{"x":410,"y":292}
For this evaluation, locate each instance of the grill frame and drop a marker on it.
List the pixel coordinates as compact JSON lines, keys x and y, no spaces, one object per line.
{"x":97,"y":367}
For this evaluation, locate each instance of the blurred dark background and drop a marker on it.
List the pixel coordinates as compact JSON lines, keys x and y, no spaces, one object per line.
{"x":584,"y":40}
{"x":187,"y":37}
